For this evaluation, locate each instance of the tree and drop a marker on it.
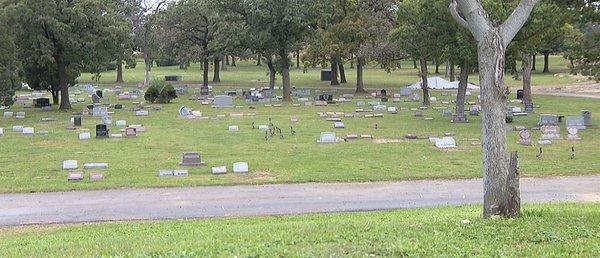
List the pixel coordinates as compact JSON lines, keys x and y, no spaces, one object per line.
{"x":278,"y":27}
{"x":69,"y":36}
{"x":492,"y":39}
{"x":190,"y":30}
{"x":127,"y":11}
{"x":145,"y":36}
{"x":9,"y":66}
{"x":461,"y":50}
{"x":422,"y":34}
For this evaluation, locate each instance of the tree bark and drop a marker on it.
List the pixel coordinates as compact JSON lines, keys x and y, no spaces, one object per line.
{"x":546,"y":62}
{"x":226,"y":60}
{"x":147,"y":71}
{"x":285,"y":75}
{"x":119,"y":71}
{"x":233,"y":61}
{"x":258,"y":60}
{"x":272,"y":73}
{"x":527,"y":67}
{"x":424,"y":86}
{"x":205,"y":67}
{"x":342,"y":72}
{"x":55,"y":96}
{"x":447,"y":74}
{"x":298,"y":59}
{"x":65,"y":102}
{"x":462,"y":88}
{"x":334,"y":71}
{"x":360,"y":87}
{"x":452,"y":77}
{"x":533,"y":62}
{"x":414,"y":64}
{"x":437,"y":67}
{"x":216,"y":71}
{"x":513,"y":188}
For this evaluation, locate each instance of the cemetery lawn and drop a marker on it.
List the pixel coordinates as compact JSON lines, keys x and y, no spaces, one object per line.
{"x":556,"y":230}
{"x":247,"y":74}
{"x":33,"y":164}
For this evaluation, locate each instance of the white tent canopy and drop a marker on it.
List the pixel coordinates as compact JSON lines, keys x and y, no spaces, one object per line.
{"x":438,"y":83}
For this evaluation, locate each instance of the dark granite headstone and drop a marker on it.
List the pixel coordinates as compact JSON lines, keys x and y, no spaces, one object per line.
{"x":101,"y":131}
{"x":326,"y":75}
{"x":77,"y":121}
{"x":191,"y":159}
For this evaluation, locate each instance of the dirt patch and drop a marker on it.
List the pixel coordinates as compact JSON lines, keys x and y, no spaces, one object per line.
{"x":262,"y":175}
{"x":583,"y":90}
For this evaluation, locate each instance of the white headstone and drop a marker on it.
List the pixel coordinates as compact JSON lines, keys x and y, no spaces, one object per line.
{"x":70,"y":164}
{"x":1,"y":131}
{"x":339,"y":125}
{"x":219,"y":170}
{"x":8,"y":114}
{"x":84,"y":136}
{"x":141,"y":113}
{"x":28,"y":131}
{"x":95,"y":166}
{"x":445,"y":143}
{"x":17,"y":128}
{"x":240,"y":167}
{"x":263,"y":128}
{"x":327,"y":137}
{"x":234,"y":128}
{"x":121,"y":123}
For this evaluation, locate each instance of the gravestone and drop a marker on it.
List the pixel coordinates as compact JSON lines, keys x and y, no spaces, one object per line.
{"x":223,"y":101}
{"x":327,"y":137}
{"x":8,"y":114}
{"x":550,"y":132}
{"x":219,"y":170}
{"x":77,"y":121}
{"x":339,"y":125}
{"x":70,"y":164}
{"x":95,"y":98}
{"x":142,"y":113}
{"x":393,"y":110}
{"x":84,"y":136}
{"x":28,"y":131}
{"x":41,"y":102}
{"x":17,"y":128}
{"x":173,"y":78}
{"x":520,"y":94}
{"x":107,"y":120}
{"x":191,"y":159}
{"x":459,"y":118}
{"x":379,"y":108}
{"x":184,"y":111}
{"x":20,"y":115}
{"x":1,"y":131}
{"x":405,"y":91}
{"x":95,"y":166}
{"x":326,"y":75}
{"x":121,"y":123}
{"x":445,"y":143}
{"x":101,"y":131}
{"x":99,"y":93}
{"x":118,"y":106}
{"x":572,"y":136}
{"x":360,"y":104}
{"x":116,"y":135}
{"x":263,"y":128}
{"x":576,"y":121}
{"x":165,"y":173}
{"x":234,"y":128}
{"x":446,"y":113}
{"x":75,"y":177}
{"x":525,"y":137}
{"x":548,"y":120}
{"x":320,"y":103}
{"x":180,"y":173}
{"x":474,"y":111}
{"x":100,"y":111}
{"x":96,"y":176}
{"x":418,"y":113}
{"x":130,"y":132}
{"x":240,"y":167}
{"x":414,"y":97}
{"x":587,"y":117}
{"x":529,"y":107}
{"x":294,"y":120}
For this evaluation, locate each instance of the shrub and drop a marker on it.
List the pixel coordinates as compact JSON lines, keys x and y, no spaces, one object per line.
{"x":160,"y":92}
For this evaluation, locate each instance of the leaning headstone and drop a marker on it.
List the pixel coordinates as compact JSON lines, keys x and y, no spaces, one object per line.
{"x":191,"y":159}
{"x":95,"y":166}
{"x":327,"y":137}
{"x":70,"y":164}
{"x":219,"y":170}
{"x":95,"y":98}
{"x":525,"y":137}
{"x":240,"y":167}
{"x":445,"y":143}
{"x":572,"y":136}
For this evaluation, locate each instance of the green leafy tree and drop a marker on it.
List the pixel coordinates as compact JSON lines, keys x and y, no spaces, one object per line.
{"x":70,"y":36}
{"x":9,"y":66}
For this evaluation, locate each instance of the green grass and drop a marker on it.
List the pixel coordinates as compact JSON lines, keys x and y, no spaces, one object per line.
{"x":557,"y":230}
{"x":31,"y":164}
{"x":247,"y":74}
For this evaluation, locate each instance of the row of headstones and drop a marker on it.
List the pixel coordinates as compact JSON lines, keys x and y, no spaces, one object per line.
{"x":27,"y":131}
{"x":102,"y":131}
{"x":441,"y":143}
{"x":194,"y":159}
{"x":72,"y":165}
{"x":17,"y":115}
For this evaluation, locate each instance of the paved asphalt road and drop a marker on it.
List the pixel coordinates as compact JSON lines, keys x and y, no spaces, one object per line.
{"x":227,"y":201}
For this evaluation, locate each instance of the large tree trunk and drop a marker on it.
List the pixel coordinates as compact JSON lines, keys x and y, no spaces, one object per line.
{"x":205,"y":67}
{"x":342,"y":72}
{"x":424,"y":86}
{"x":216,"y":72}
{"x":546,"y":62}
{"x":272,"y":73}
{"x":493,"y":103}
{"x":463,"y":79}
{"x":527,"y":66}
{"x":447,"y":74}
{"x":55,"y":96}
{"x":285,"y":75}
{"x":513,"y":187}
{"x":147,"y":71}
{"x":360,"y":87}
{"x":334,"y":71}
{"x":452,"y":78}
{"x":119,"y":71}
{"x":65,"y":102}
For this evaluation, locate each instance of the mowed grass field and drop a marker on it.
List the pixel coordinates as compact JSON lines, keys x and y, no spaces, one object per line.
{"x":556,"y":230}
{"x":247,"y":74}
{"x":32,"y":164}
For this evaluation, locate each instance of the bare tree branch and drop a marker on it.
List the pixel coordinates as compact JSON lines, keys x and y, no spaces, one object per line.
{"x":517,"y":19}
